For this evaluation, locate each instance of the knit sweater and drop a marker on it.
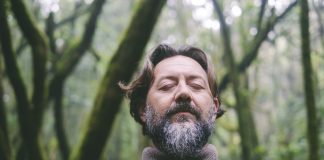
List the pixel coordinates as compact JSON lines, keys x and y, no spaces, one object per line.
{"x":207,"y":153}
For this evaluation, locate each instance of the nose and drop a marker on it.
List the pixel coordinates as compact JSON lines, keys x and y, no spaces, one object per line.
{"x":182,"y":93}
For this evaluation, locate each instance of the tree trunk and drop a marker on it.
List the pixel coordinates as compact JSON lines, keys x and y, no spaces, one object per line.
{"x":109,"y":96}
{"x":4,"y":146}
{"x":65,"y":66}
{"x":27,"y":127}
{"x":253,"y":49}
{"x":59,"y":124}
{"x":5,"y":151}
{"x":247,"y":127}
{"x":312,"y":124}
{"x":247,"y":130}
{"x":40,"y":51}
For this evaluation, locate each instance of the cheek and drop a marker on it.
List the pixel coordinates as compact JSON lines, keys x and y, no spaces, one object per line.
{"x":204,"y":101}
{"x":160,"y":102}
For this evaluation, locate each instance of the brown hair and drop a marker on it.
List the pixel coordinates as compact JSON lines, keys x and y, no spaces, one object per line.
{"x":137,"y":90}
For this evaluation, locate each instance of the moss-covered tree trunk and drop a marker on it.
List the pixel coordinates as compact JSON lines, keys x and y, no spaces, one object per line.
{"x":247,"y":131}
{"x":5,"y":151}
{"x":121,"y":68}
{"x":27,"y":127}
{"x":63,"y":69}
{"x":247,"y":128}
{"x":4,"y":146}
{"x":249,"y":140}
{"x":252,"y":51}
{"x":312,"y":124}
{"x":59,"y":124}
{"x":40,"y":51}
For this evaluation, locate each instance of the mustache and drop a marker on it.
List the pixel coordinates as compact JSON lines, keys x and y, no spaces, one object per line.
{"x":183,"y":106}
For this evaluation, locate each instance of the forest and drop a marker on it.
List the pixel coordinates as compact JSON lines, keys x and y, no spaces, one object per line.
{"x":61,"y":62}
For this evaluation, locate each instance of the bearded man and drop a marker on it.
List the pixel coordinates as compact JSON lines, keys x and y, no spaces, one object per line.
{"x":175,"y":99}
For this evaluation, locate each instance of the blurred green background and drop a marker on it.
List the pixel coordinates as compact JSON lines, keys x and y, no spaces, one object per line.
{"x":70,"y":55}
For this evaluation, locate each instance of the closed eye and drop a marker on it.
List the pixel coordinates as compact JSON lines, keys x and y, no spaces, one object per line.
{"x":196,"y":86}
{"x":196,"y":83}
{"x":166,"y":87}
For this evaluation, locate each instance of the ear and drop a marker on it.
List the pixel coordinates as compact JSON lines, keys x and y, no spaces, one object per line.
{"x":216,"y":104}
{"x":142,"y":113}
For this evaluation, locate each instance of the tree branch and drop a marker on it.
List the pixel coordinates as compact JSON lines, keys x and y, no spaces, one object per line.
{"x":27,"y":128}
{"x":65,"y":65}
{"x":5,"y":151}
{"x":249,"y":140}
{"x":261,"y":14}
{"x":252,"y":52}
{"x":49,"y":30}
{"x":75,"y":52}
{"x":78,"y":13}
{"x":39,"y":51}
{"x":59,"y":124}
{"x":95,"y":54}
{"x":21,"y":46}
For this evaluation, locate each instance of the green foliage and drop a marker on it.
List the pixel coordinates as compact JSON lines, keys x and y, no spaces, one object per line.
{"x":275,"y":78}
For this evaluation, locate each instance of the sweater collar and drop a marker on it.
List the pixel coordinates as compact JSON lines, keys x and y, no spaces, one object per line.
{"x":207,"y":153}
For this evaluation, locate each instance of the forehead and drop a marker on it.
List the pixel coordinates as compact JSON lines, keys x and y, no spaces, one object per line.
{"x":179,"y":65}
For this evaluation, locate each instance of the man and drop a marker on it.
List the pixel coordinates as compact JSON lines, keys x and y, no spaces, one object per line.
{"x":175,"y":100}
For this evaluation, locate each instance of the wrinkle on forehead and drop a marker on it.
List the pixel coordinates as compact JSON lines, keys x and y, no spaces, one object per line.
{"x":179,"y":67}
{"x":179,"y":64}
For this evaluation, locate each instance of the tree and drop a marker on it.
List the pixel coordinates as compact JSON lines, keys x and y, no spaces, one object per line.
{"x":312,"y":124}
{"x":109,"y":95}
{"x":249,"y":138}
{"x":62,"y":60}
{"x":249,"y":141}
{"x":253,"y":51}
{"x":5,"y":150}
{"x":27,"y":127}
{"x":65,"y":66}
{"x":31,"y":111}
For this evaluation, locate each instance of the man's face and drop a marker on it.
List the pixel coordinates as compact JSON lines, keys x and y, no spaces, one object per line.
{"x":180,"y":110}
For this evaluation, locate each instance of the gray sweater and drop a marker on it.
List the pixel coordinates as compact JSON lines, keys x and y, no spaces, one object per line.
{"x":207,"y":153}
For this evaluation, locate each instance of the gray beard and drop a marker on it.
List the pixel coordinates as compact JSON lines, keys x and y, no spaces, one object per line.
{"x":180,"y":140}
